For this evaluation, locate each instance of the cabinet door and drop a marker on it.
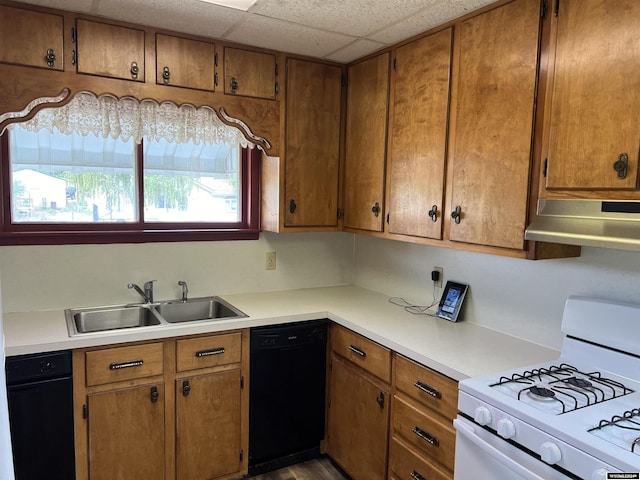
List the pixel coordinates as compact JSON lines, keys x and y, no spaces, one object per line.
{"x":249,"y":74}
{"x":492,"y":133}
{"x":418,"y":134}
{"x":208,"y":425}
{"x":181,"y":62}
{"x":31,"y":38}
{"x":312,"y":145}
{"x":595,"y":109}
{"x":367,"y":105}
{"x":110,"y":50}
{"x":127,"y":433}
{"x":358,"y":422}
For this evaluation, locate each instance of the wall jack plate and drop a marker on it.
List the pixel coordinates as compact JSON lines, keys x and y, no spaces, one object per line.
{"x":271,"y":261}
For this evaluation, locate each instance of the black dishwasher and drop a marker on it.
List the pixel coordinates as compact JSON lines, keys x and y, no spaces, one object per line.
{"x":287,"y":396}
{"x":40,"y":396}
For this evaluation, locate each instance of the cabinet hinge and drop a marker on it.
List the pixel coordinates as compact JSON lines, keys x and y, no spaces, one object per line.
{"x":340,"y":214}
{"x":277,"y":89}
{"x":544,"y":168}
{"x":388,"y":218}
{"x":545,"y":8}
{"x":242,"y":382}
{"x":74,"y":35}
{"x":394,"y":63}
{"x":344,"y":80}
{"x":85,"y":411}
{"x":215,"y":59}
{"x":556,"y":9}
{"x":215,"y":79}
{"x":241,"y":455}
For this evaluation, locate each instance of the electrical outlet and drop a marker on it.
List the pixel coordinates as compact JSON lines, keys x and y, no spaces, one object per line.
{"x":441,"y":270}
{"x":271,"y":261}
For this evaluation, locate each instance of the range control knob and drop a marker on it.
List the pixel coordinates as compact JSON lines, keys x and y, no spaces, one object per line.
{"x":482,"y":416}
{"x":506,"y":428}
{"x":550,"y":453}
{"x":600,"y":474}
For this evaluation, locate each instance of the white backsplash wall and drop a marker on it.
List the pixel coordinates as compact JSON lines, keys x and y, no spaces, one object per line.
{"x":523,"y":298}
{"x":56,"y":277}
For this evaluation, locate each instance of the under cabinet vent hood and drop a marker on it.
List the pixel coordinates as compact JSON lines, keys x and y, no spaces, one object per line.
{"x":591,"y":223}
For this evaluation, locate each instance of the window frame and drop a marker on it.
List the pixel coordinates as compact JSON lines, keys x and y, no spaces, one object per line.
{"x":134,"y":232}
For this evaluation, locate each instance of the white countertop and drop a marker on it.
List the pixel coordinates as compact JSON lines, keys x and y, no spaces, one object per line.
{"x":458,"y":350}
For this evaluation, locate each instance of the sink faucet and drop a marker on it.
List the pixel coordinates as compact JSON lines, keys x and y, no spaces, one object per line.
{"x":147,"y":294}
{"x":185,"y":290}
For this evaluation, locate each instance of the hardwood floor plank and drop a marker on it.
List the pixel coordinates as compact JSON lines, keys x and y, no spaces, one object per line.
{"x":316,"y":469}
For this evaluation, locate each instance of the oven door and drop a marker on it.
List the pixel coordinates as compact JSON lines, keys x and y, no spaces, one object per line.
{"x":481,"y":454}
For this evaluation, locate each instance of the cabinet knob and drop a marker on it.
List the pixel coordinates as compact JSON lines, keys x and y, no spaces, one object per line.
{"x":50,"y":57}
{"x":621,"y":165}
{"x":166,"y":74}
{"x":154,"y":395}
{"x":234,"y":84}
{"x":380,"y":400}
{"x":134,"y":70}
{"x":433,"y":213}
{"x":456,"y":214}
{"x":376,"y":209}
{"x":292,"y":206}
{"x":186,"y":388}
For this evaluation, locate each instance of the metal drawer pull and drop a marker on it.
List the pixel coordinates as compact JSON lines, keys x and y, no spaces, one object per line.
{"x":357,"y":351}
{"x":211,"y":351}
{"x":426,"y":436}
{"x":428,"y":389}
{"x":119,"y":365}
{"x":416,"y":476}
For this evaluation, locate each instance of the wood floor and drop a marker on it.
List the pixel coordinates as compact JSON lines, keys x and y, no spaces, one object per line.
{"x":316,"y":469}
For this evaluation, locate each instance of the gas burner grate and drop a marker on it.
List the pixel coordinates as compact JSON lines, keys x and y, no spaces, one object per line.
{"x":562,"y":388}
{"x":622,"y":430}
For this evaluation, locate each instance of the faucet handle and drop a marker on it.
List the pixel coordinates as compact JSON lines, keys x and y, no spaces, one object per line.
{"x":149,"y":284}
{"x":185,"y":289}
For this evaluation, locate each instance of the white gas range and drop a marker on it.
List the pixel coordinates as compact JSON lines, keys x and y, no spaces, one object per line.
{"x":574,"y":418}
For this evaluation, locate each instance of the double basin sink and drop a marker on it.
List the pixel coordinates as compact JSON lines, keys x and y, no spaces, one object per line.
{"x":116,"y":317}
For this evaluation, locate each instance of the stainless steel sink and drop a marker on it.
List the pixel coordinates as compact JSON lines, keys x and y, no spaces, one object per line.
{"x":99,"y":319}
{"x":205,"y":308}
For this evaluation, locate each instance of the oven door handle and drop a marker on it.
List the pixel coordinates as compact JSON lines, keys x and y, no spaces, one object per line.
{"x":470,"y":433}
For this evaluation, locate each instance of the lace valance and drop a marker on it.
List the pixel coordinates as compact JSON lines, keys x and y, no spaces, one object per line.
{"x":108,"y":116}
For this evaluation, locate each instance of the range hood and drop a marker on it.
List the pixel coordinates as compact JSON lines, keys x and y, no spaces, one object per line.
{"x":591,"y":223}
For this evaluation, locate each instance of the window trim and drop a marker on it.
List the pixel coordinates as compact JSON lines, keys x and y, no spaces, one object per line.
{"x":103,"y":233}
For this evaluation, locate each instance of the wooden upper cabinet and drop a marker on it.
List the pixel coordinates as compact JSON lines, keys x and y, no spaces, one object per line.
{"x":181,"y":62}
{"x":110,"y":50}
{"x":419,"y":109}
{"x":30,"y":38}
{"x":249,"y":74}
{"x":492,"y":125}
{"x":367,"y":108}
{"x":312,"y":144}
{"x":595,"y":96}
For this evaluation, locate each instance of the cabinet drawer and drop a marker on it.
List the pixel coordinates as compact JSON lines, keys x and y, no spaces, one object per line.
{"x":208,"y":351}
{"x":426,"y":386}
{"x":427,"y":434}
{"x":406,"y":465}
{"x":363,"y":352}
{"x":124,"y":363}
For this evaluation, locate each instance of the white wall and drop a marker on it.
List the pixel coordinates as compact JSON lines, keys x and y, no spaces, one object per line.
{"x":521,"y":297}
{"x":55,"y":277}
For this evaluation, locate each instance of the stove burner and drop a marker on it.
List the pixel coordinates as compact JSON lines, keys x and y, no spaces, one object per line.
{"x":541,"y":393}
{"x":579,"y":382}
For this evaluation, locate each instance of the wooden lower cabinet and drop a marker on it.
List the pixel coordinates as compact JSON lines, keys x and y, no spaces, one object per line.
{"x":126,"y":433}
{"x":131,"y":425}
{"x":208,"y":414}
{"x":404,"y":464}
{"x":358,"y":422}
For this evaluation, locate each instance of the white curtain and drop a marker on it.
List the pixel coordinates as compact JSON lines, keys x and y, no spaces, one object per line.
{"x":6,"y":460}
{"x":109,"y":117}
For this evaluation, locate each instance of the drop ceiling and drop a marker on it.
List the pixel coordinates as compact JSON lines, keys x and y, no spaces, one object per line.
{"x":337,"y":30}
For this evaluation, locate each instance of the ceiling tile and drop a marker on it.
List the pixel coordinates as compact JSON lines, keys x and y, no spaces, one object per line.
{"x":357,"y":18}
{"x":287,"y":37}
{"x":355,"y":50}
{"x":190,"y":16}
{"x":436,"y":14}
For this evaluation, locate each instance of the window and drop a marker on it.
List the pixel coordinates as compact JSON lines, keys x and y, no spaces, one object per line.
{"x":81,"y":187}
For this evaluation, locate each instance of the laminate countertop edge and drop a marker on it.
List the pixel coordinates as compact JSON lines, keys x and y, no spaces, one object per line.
{"x":457,"y":350}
